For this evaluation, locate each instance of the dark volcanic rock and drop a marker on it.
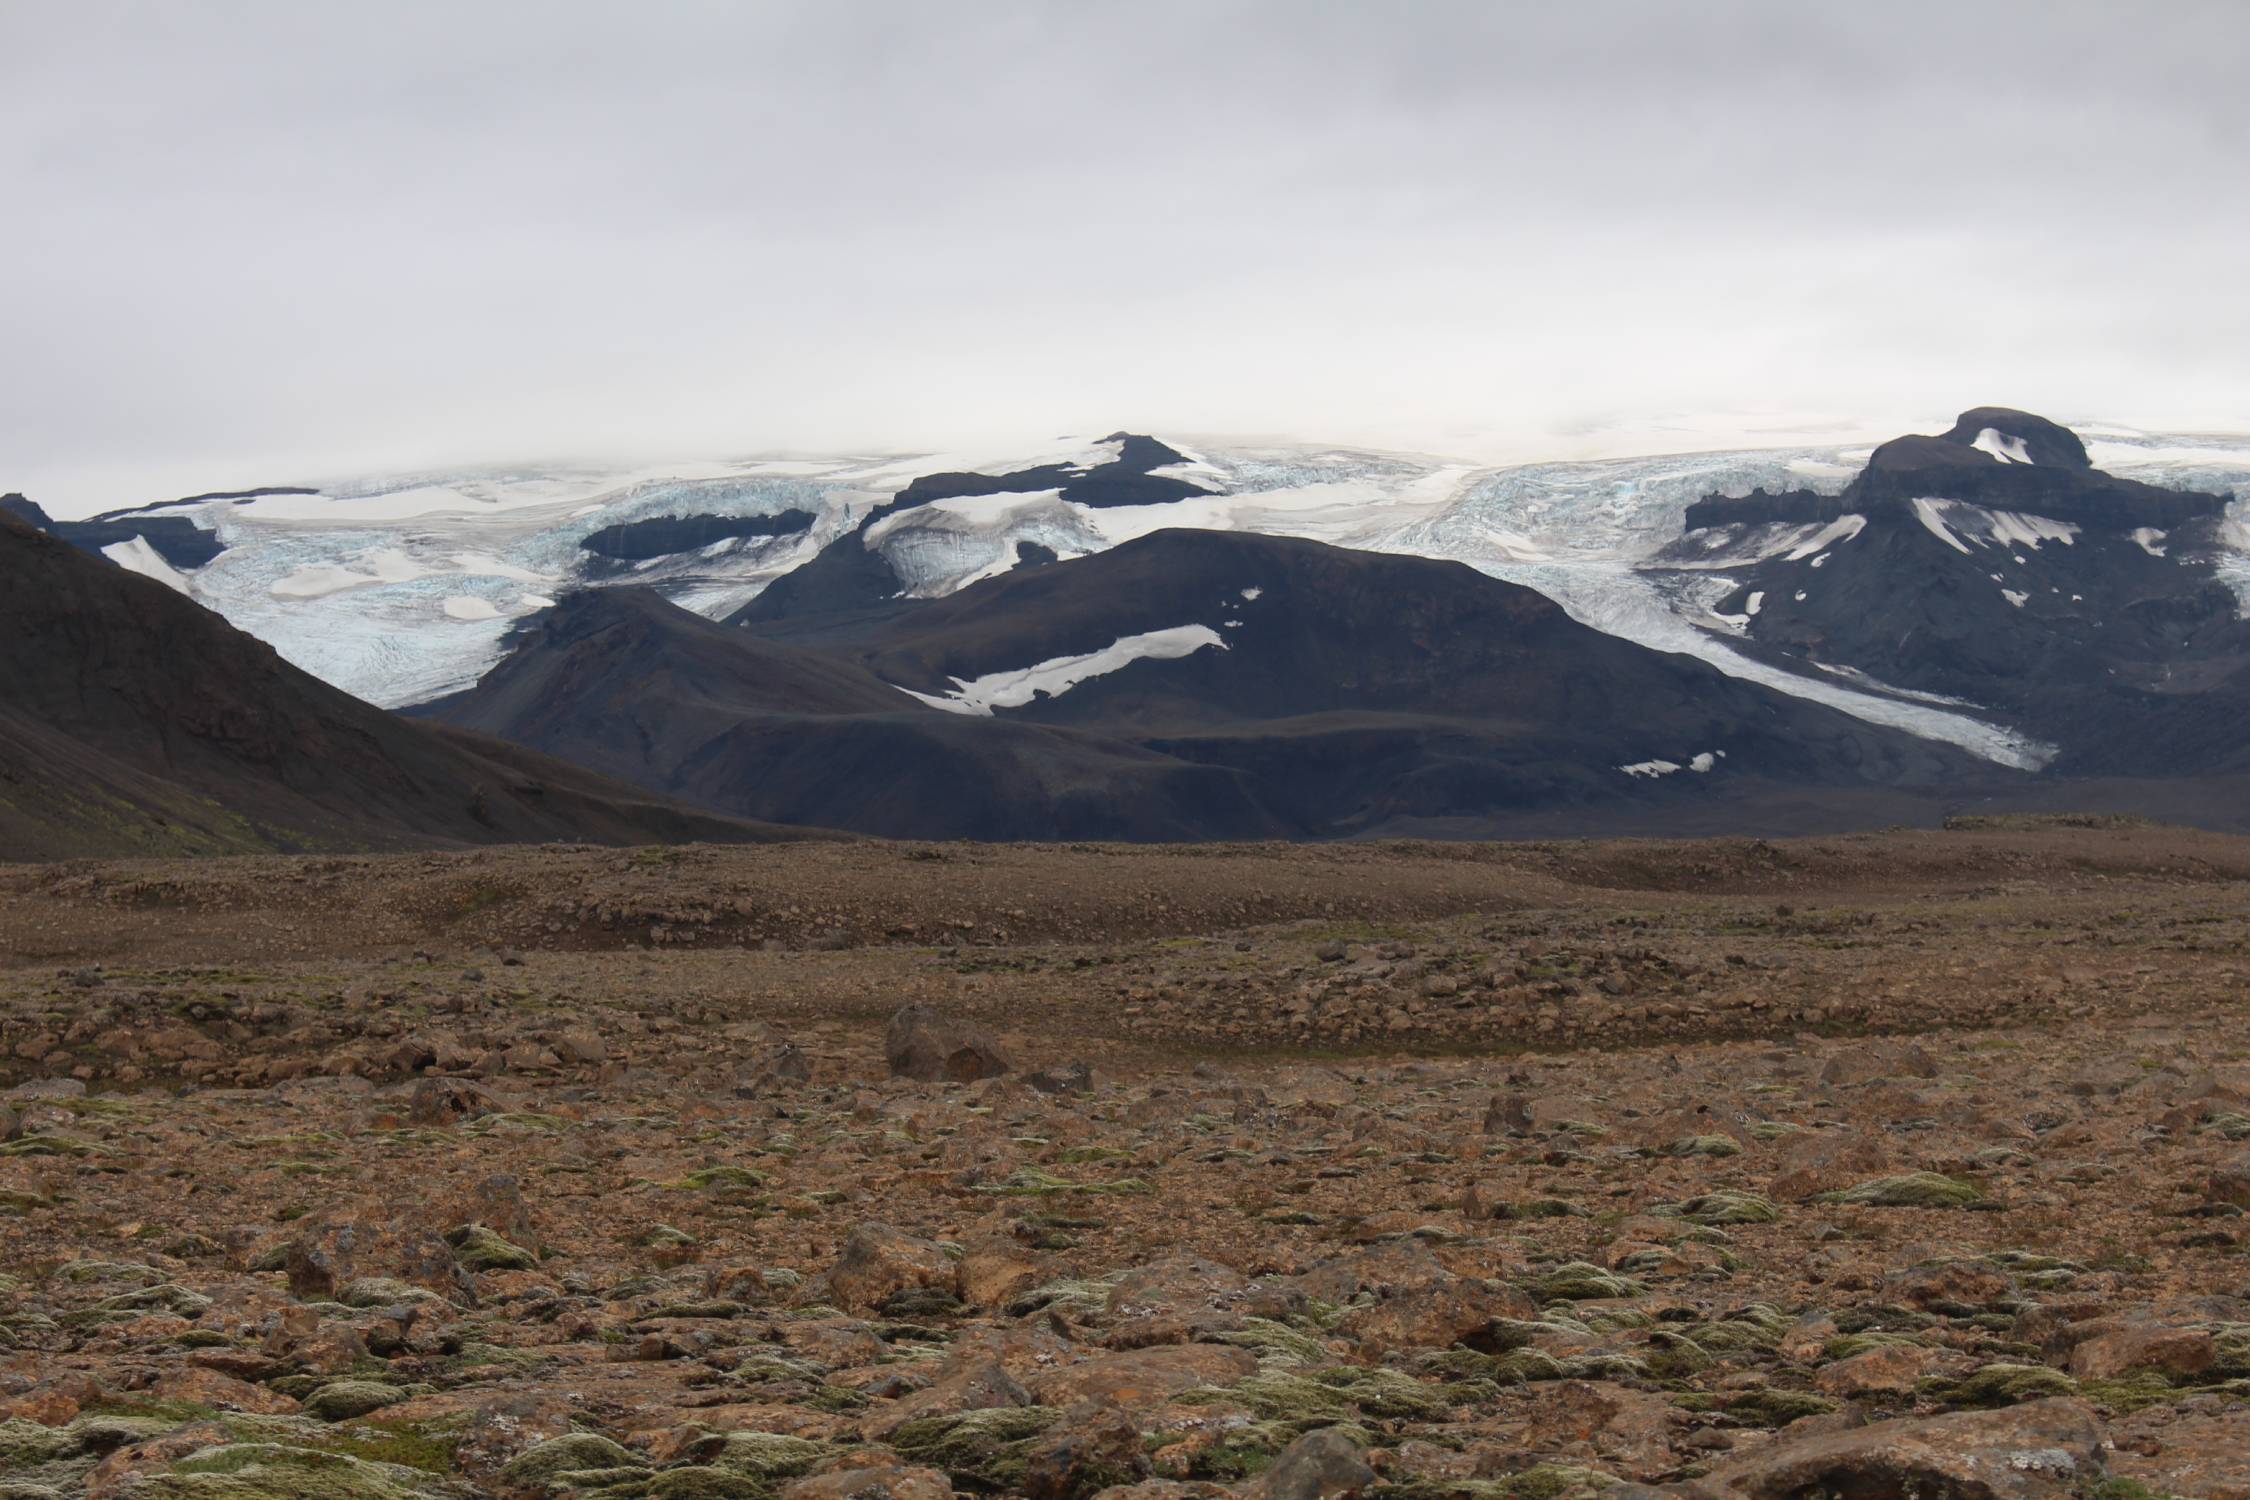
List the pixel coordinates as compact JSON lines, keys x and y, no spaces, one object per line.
{"x":176,"y":539}
{"x":661,"y":536}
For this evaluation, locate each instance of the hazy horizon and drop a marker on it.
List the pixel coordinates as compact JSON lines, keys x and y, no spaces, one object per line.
{"x":257,"y":243}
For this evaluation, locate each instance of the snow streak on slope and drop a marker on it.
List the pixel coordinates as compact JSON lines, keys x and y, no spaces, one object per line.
{"x":1014,"y":689}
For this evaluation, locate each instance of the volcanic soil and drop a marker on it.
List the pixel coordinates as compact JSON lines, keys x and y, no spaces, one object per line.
{"x":1905,"y":1163}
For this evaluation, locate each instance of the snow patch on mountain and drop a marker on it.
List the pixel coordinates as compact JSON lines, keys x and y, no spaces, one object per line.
{"x":1958,"y":524}
{"x":1054,"y":677}
{"x":1701,"y":764}
{"x":2006,"y":448}
{"x":470,"y":607}
{"x":137,"y":556}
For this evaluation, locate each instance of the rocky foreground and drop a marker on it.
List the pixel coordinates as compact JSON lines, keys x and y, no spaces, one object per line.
{"x":1908,"y":1166}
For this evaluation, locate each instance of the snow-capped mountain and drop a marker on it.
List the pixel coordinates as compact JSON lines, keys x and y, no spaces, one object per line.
{"x":1995,"y":565}
{"x":403,"y":588}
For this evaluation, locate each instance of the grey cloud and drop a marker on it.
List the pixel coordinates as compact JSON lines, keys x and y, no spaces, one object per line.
{"x":254,"y":241}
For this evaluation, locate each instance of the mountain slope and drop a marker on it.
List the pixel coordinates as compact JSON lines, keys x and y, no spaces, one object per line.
{"x":1185,"y":685}
{"x":132,"y":720}
{"x":625,"y":683}
{"x":1362,"y":688}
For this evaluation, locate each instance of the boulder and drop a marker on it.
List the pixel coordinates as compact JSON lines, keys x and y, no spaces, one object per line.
{"x":1323,"y":1465}
{"x":336,"y":1248}
{"x":2041,"y":1450}
{"x":879,"y":1262}
{"x":930,"y":1047}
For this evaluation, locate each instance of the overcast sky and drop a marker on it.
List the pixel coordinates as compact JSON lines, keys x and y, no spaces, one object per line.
{"x":244,"y":243}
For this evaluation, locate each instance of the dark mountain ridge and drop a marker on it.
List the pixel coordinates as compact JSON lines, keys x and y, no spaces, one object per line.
{"x":133,"y":720}
{"x":849,"y":576}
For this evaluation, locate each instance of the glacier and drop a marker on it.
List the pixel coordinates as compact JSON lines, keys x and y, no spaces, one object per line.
{"x":401,"y":588}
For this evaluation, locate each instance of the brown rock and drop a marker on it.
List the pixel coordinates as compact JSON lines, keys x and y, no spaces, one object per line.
{"x":1387,"y":1269}
{"x":337,"y":1247}
{"x":775,"y":1070}
{"x":196,"y":1386}
{"x":1321,"y":1465}
{"x":47,"y":1408}
{"x":979,"y":1387}
{"x":2115,"y":1346}
{"x":497,"y":1202}
{"x":1434,"y":1317}
{"x":2041,"y":1450}
{"x":1824,"y":1160}
{"x":1183,"y":1298}
{"x":2230,"y":1181}
{"x":1878,"y":1060}
{"x":1092,"y":1446}
{"x":929,"y":1047}
{"x":1888,"y":1370}
{"x":448,"y":1101}
{"x":1135,"y":1379}
{"x":1959,"y":1288}
{"x":901,"y":1483}
{"x":999,"y":1269}
{"x":1621,"y":1427}
{"x":878,"y":1262}
{"x":119,"y":1473}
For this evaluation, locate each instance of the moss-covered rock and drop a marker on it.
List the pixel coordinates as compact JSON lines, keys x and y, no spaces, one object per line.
{"x":1542,"y":1482}
{"x":985,"y":1450}
{"x":1519,"y":1210}
{"x":1704,"y":1145}
{"x":1580,"y":1281}
{"x":765,"y":1456}
{"x":703,"y":1482}
{"x":1912,"y":1190}
{"x":341,"y":1400}
{"x":382,"y":1291}
{"x":552,"y":1466}
{"x":723,"y":1178}
{"x":168,"y":1298}
{"x":1847,"y":1345}
{"x":1761,"y":1406}
{"x":481,"y":1249}
{"x":1724,"y":1208}
{"x":1331,"y":1396}
{"x":276,"y":1471}
{"x":1277,"y":1343}
{"x":59,"y":1457}
{"x":1997,"y":1385}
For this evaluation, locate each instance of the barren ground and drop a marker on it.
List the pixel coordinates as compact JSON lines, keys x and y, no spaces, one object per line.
{"x":1520,"y":1169}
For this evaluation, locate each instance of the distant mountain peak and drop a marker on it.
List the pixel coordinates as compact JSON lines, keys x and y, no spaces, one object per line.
{"x":2006,"y":435}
